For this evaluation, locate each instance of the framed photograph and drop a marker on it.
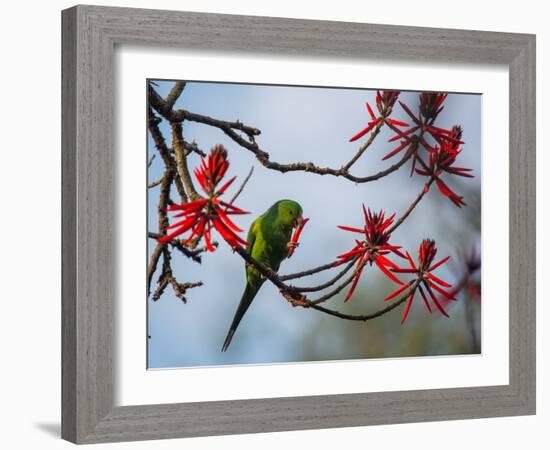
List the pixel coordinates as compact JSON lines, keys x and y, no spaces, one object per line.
{"x":277,"y":224}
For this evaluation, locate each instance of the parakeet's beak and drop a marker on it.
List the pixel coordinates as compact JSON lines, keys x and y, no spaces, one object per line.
{"x":299,"y":222}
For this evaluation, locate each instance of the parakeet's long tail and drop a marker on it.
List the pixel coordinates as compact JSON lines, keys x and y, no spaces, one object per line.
{"x":248,"y":295}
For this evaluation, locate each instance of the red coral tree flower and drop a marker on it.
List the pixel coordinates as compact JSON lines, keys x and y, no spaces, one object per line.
{"x":425,"y":279}
{"x":373,"y":248}
{"x":200,"y":216}
{"x":441,"y":160}
{"x":430,"y":106}
{"x":294,"y":241}
{"x":384,"y":104}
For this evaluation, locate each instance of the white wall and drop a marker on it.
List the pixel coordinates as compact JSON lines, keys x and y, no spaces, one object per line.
{"x":30,"y":229}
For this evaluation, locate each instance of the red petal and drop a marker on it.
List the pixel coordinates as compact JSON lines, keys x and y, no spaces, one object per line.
{"x":231,"y":238}
{"x":390,"y":275}
{"x":437,"y":304}
{"x":229,"y":206}
{"x":425,"y":299}
{"x":187,"y":206}
{"x":224,"y":187}
{"x":444,"y":189}
{"x":407,"y":308}
{"x":403,"y":134}
{"x":408,"y":111}
{"x":197,"y":230}
{"x":441,"y":291}
{"x":396,"y":293}
{"x":355,"y":280}
{"x":361,"y":133}
{"x":182,"y":229}
{"x":422,"y":172}
{"x":193,"y":210}
{"x":296,"y":235}
{"x":411,"y":261}
{"x":397,"y":122}
{"x":298,"y":231}
{"x":187,"y":222}
{"x":458,"y":172}
{"x":437,"y":264}
{"x":354,"y":230}
{"x":404,"y":270}
{"x":397,"y":150}
{"x":439,"y":281}
{"x":370,"y":111}
{"x":387,"y":262}
{"x":347,"y":256}
{"x":199,"y":175}
{"x":227,"y":220}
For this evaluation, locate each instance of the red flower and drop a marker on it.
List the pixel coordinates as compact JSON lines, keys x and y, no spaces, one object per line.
{"x":200,"y":216}
{"x":465,"y":270}
{"x":426,"y":279}
{"x":384,"y":104}
{"x":296,"y":236}
{"x":430,"y":105}
{"x":373,"y":248}
{"x":442,"y":159}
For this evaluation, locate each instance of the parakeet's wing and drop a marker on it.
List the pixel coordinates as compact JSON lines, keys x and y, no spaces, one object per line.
{"x":252,"y":233}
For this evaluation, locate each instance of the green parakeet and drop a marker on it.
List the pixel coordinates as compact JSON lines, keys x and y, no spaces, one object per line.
{"x":269,"y":237}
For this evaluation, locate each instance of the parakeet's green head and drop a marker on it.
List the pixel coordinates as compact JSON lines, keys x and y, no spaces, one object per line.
{"x":289,"y":212}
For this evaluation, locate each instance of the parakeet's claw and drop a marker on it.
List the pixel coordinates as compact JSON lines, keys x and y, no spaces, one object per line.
{"x":301,"y":301}
{"x":291,"y":248}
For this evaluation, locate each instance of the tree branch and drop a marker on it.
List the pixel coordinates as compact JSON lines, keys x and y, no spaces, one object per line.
{"x":328,"y":283}
{"x":415,"y":202}
{"x":298,"y":299}
{"x":181,"y":160}
{"x":250,"y":144}
{"x":174,"y":94}
{"x":164,"y":151}
{"x":366,"y":317}
{"x":155,"y":183}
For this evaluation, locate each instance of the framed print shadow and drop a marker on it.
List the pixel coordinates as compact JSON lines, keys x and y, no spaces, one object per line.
{"x":292,"y":223}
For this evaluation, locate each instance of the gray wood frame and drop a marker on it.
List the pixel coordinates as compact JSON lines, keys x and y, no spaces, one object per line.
{"x":89,"y":37}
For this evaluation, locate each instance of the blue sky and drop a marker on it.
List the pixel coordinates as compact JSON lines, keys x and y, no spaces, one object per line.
{"x":306,"y":124}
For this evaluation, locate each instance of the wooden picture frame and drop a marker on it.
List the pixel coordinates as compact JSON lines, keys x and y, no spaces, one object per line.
{"x":90,"y":34}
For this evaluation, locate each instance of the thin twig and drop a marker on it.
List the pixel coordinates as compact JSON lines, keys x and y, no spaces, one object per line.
{"x":242,"y":185}
{"x":193,"y":253}
{"x":162,"y":224}
{"x":364,"y":147}
{"x":415,"y":202}
{"x":192,"y":147}
{"x":308,"y":272}
{"x":340,"y":287}
{"x":155,"y":183}
{"x":328,"y":283}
